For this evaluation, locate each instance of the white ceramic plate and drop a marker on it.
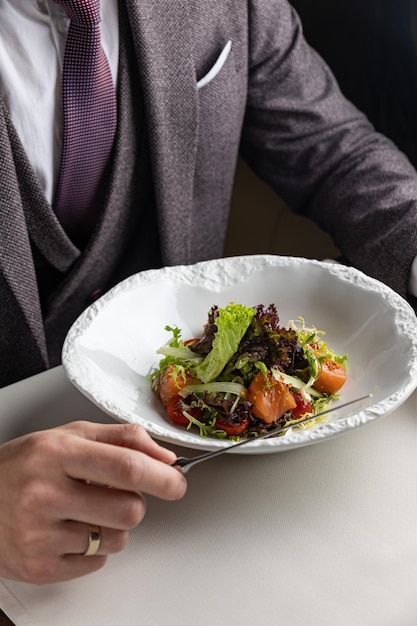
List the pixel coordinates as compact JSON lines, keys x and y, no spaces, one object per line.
{"x":111,"y":348}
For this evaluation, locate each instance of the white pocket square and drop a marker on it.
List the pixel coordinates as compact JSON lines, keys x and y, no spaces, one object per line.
{"x":221,"y":60}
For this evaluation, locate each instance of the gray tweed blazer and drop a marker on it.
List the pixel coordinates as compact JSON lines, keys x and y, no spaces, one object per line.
{"x":274,"y":100}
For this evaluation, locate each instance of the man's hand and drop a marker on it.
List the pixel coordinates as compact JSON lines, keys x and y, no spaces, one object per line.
{"x":54,"y":483}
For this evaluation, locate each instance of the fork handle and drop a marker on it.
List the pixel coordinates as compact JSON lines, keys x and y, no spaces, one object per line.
{"x":183,"y":464}
{"x":180,"y":461}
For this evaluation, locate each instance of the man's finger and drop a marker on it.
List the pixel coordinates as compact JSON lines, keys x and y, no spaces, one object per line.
{"x":93,"y":504}
{"x":122,"y":468}
{"x":131,"y":436}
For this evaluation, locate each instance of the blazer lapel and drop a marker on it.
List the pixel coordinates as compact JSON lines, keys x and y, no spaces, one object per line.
{"x":163,"y":39}
{"x":16,"y":263}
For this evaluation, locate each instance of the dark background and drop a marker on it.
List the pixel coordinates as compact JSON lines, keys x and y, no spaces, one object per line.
{"x":371,"y":46}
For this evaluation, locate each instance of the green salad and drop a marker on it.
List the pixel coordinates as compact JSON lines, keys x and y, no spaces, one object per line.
{"x":246,"y":374}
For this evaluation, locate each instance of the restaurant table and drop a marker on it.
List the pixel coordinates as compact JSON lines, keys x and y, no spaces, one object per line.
{"x":322,"y":535}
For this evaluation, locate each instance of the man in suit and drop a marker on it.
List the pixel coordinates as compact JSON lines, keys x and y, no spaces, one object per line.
{"x":196,"y":84}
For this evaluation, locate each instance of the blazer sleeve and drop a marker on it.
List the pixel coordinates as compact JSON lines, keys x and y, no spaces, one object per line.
{"x":321,"y":154}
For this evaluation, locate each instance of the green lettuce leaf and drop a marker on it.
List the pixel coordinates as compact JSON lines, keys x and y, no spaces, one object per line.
{"x":232,"y":323}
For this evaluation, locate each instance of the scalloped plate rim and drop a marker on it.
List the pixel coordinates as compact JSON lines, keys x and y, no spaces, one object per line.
{"x":183,"y":273}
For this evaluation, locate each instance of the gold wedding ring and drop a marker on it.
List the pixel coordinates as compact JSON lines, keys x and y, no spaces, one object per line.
{"x":94,"y":539}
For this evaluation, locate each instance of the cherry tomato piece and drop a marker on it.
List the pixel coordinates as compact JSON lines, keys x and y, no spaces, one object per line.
{"x":232,"y":429}
{"x":176,"y":413}
{"x":174,"y":410}
{"x":302,"y":408}
{"x":190,"y":341}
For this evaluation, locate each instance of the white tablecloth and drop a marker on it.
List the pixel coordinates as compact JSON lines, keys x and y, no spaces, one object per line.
{"x":325,"y":535}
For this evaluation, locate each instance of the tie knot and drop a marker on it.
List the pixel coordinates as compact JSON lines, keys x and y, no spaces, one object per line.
{"x":83,"y":12}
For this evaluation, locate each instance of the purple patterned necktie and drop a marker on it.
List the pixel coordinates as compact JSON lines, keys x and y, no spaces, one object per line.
{"x":90,"y":116}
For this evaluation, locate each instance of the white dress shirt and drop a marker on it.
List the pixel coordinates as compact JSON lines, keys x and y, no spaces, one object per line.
{"x":32,"y":41}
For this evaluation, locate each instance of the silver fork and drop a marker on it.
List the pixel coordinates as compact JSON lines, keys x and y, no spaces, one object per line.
{"x":185,"y":463}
